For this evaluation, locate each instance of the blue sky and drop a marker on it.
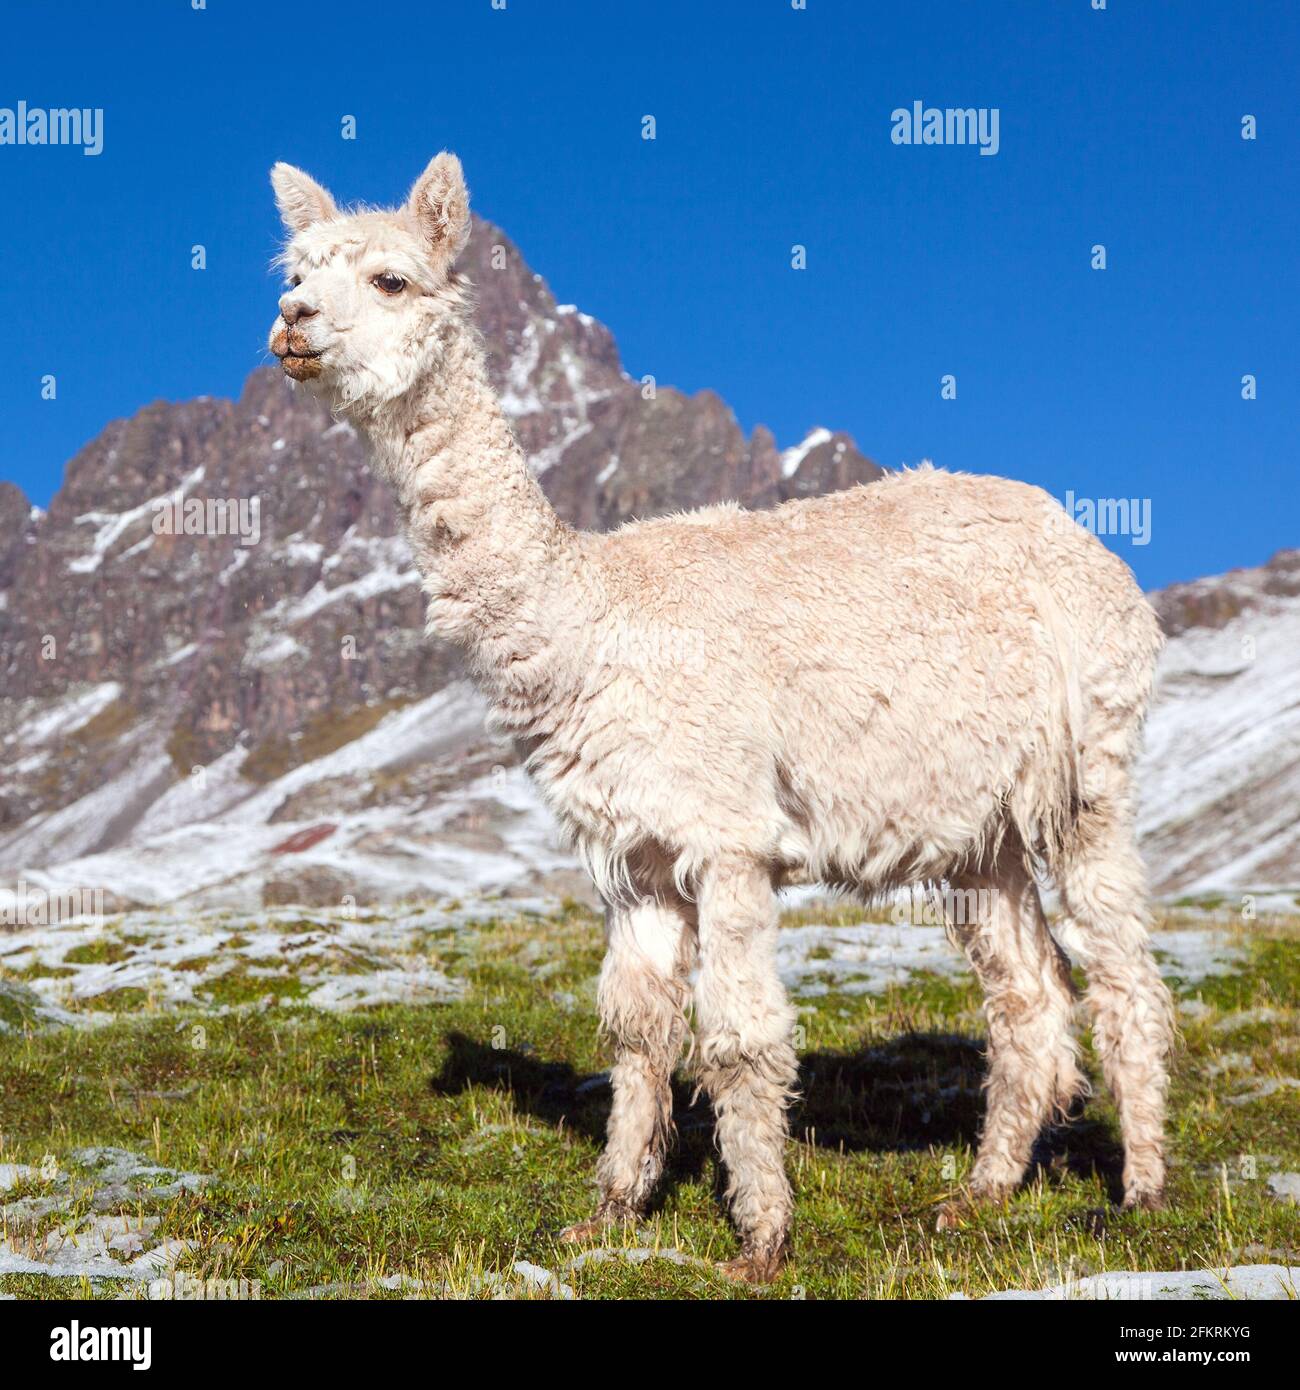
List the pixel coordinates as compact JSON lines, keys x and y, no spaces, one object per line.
{"x":1119,"y":127}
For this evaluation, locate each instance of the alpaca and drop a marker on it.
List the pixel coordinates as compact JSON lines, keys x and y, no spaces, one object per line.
{"x":932,"y":679}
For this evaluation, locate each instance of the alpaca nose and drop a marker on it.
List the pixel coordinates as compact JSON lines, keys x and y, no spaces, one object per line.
{"x":292,"y":310}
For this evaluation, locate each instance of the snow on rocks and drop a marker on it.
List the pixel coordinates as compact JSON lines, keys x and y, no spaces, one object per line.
{"x":865,"y":958}
{"x":337,"y":960}
{"x":344,"y":958}
{"x":98,"y":1242}
{"x":1194,"y":954}
{"x":1218,"y":779}
{"x":210,"y":843}
{"x":21,"y":1007}
{"x":421,"y":985}
{"x":1254,"y":1282}
{"x":792,"y":458}
{"x":868,"y":957}
{"x":1266,"y":1086}
{"x":605,"y":1254}
{"x":13,"y":1173}
{"x":1248,"y":1018}
{"x":56,"y":719}
{"x":522,"y":1280}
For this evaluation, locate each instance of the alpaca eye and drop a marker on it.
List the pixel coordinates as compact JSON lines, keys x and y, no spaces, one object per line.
{"x":295,"y":281}
{"x":389,"y":283}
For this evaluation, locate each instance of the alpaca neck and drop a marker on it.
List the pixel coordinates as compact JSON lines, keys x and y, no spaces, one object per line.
{"x":504,"y":575}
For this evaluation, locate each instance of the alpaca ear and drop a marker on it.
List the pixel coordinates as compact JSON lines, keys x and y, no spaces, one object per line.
{"x":300,"y":198}
{"x":439,"y":203}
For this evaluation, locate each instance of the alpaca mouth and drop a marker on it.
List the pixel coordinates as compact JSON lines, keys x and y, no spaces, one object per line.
{"x":299,"y":361}
{"x":301,"y":366}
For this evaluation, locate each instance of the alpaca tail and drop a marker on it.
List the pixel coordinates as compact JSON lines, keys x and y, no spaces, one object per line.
{"x":1101,"y":682}
{"x":1048,"y":798}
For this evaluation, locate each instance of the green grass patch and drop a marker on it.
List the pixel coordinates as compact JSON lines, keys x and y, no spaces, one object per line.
{"x":241,"y":986}
{"x":104,"y":950}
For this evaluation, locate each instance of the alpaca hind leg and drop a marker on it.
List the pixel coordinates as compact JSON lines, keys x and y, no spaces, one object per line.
{"x":642,"y":998}
{"x":746,"y":1059}
{"x":1033,"y":1070}
{"x":1103,"y":889}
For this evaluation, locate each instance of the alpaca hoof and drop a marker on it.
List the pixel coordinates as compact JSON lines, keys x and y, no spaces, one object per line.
{"x":582,"y":1231}
{"x":1144,"y":1199}
{"x":951,"y":1215}
{"x":755,"y":1266}
{"x":605,"y":1217}
{"x":957,"y":1211}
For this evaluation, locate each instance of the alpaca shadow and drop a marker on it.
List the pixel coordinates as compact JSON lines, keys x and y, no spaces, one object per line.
{"x":558,"y":1095}
{"x":924,"y":1091}
{"x":920,"y":1091}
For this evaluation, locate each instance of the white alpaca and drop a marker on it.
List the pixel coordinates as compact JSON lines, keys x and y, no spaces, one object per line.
{"x":935,"y":678}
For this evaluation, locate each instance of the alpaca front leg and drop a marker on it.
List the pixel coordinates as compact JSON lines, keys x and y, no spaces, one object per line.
{"x":641,"y":998}
{"x":747,"y":1062}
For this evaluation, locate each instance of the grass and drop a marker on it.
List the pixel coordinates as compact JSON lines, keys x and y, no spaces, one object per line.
{"x":351,"y":1154}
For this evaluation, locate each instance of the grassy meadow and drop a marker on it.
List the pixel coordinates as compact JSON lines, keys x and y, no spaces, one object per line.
{"x":410,"y":1103}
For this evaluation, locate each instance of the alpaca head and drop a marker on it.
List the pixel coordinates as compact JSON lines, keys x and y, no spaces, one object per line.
{"x":369,"y":294}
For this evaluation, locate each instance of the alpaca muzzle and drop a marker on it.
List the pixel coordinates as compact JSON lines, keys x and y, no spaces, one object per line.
{"x":298,"y":358}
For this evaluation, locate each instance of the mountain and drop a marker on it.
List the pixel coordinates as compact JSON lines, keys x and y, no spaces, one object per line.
{"x":258,"y":716}
{"x":1220,"y":774}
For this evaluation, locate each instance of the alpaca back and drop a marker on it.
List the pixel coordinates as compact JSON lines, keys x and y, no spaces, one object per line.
{"x":869,"y":687}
